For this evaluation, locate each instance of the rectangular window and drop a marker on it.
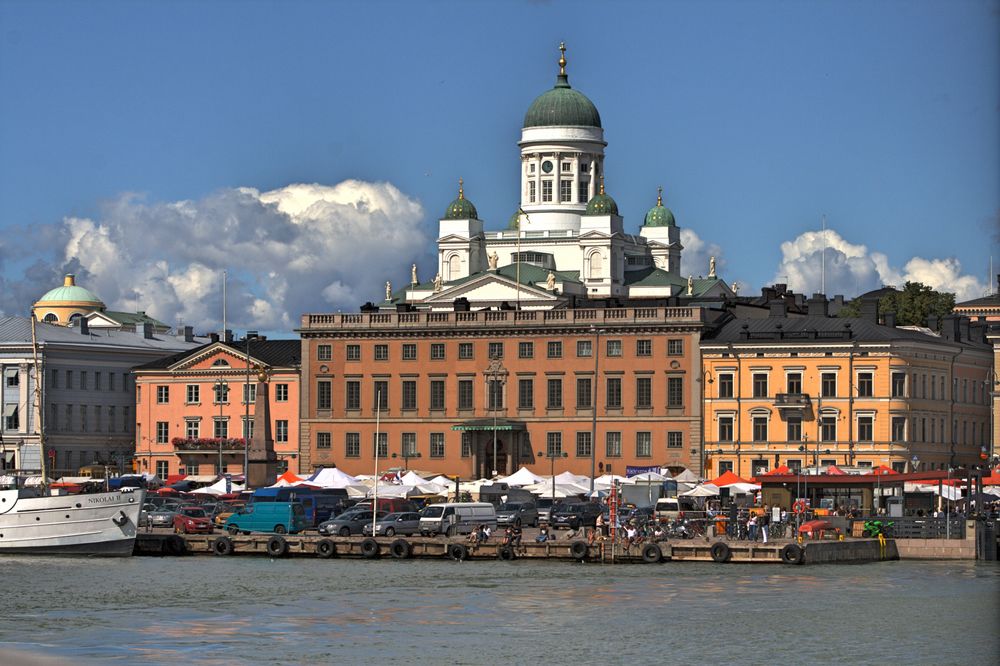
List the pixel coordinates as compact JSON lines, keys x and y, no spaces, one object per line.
{"x":465,"y":398}
{"x":126,"y":419}
{"x":643,"y":444}
{"x":111,"y":381}
{"x":409,"y":352}
{"x":760,"y":384}
{"x":525,"y":394}
{"x":380,"y":444}
{"x":53,"y":423}
{"x":352,"y":394}
{"x":281,"y":392}
{"x":584,"y":396}
{"x":162,"y":469}
{"x":546,"y":191}
{"x":554,"y":394}
{"x":793,"y":382}
{"x":613,"y":445}
{"x":55,"y":379}
{"x":353,"y":353}
{"x":83,"y":418}
{"x":69,"y":419}
{"x":584,"y":348}
{"x":380,"y":393}
{"x":613,"y":394}
{"x":192,"y":429}
{"x":793,"y":430}
{"x":381,"y":352}
{"x":644,"y":392}
{"x":409,"y":394}
{"x":221,"y":391}
{"x":466,"y":444}
{"x":760,"y":428}
{"x":12,"y":420}
{"x":675,"y":347}
{"x":437,"y":351}
{"x":865,"y":385}
{"x":554,"y":349}
{"x":582,"y":194}
{"x":532,"y":191}
{"x":437,"y":394}
{"x":565,"y":191}
{"x":193,"y":394}
{"x":643,"y":347}
{"x":84,"y":386}
{"x":162,"y":394}
{"x":97,"y":381}
{"x":324,"y":394}
{"x":323,"y":440}
{"x":324,"y":352}
{"x":408,"y":444}
{"x":725,"y":428}
{"x":162,"y":432}
{"x":352,"y":445}
{"x":614,"y":348}
{"x":221,"y":428}
{"x":553,"y":445}
{"x":496,"y":350}
{"x":111,"y":417}
{"x":675,"y":439}
{"x":249,"y":394}
{"x":437,"y":445}
{"x":675,"y":392}
{"x":866,"y":428}
{"x":69,"y":379}
{"x":898,"y":429}
{"x":828,"y":384}
{"x":247,"y":428}
{"x":464,"y":350}
{"x":725,"y":386}
{"x":584,"y":445}
{"x":495,"y":396}
{"x":97,"y":418}
{"x":525,"y":350}
{"x":828,"y":429}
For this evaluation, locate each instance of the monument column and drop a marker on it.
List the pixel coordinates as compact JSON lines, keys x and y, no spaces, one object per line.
{"x":262,"y":462}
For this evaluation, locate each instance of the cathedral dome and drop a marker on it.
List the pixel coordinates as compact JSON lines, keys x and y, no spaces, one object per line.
{"x":602,"y":204}
{"x":659,"y":215}
{"x":461,"y":208}
{"x":562,"y":105}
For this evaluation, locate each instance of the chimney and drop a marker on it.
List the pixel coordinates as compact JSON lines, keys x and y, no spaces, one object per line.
{"x":777,"y":308}
{"x":869,"y":309}
{"x":188,"y":334}
{"x":932,"y":322}
{"x":817,"y":306}
{"x":147,"y":331}
{"x":889,"y":319}
{"x":84,"y":326}
{"x":461,"y":304}
{"x":951,"y":329}
{"x":963,"y":328}
{"x":229,"y":335}
{"x":214,"y":337}
{"x":69,"y":280}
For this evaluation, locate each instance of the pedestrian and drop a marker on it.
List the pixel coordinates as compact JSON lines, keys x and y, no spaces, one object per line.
{"x":515,"y":538}
{"x":599,"y":524}
{"x":543,"y":536}
{"x":752,"y":526}
{"x":764,"y":523}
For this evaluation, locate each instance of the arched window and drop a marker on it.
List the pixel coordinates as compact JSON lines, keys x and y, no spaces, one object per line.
{"x":221,"y":363}
{"x":454,"y":267}
{"x":51,"y":318}
{"x":596,"y":265}
{"x":75,"y":316}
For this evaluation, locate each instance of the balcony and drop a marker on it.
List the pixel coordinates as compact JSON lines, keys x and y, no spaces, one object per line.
{"x":792,"y":401}
{"x":208,"y":445}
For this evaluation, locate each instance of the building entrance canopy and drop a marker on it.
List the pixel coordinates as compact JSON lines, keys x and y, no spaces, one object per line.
{"x":490,"y":425}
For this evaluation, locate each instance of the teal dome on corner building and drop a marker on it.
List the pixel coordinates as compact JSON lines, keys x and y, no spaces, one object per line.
{"x":602,"y":204}
{"x":461,"y":208}
{"x":562,"y":106}
{"x":659,"y":215}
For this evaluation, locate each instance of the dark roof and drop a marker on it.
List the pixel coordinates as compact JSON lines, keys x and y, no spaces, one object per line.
{"x":273,"y":353}
{"x":993,"y":300}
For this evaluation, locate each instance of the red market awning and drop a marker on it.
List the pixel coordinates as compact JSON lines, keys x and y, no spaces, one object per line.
{"x":174,"y":478}
{"x":727,"y":479}
{"x":882,"y":470}
{"x":833,"y":469}
{"x":780,"y":469}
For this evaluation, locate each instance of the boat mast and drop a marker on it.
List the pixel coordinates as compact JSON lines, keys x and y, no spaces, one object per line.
{"x":38,"y":402}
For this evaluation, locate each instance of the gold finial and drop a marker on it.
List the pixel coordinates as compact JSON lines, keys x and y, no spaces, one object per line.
{"x":659,"y":196}
{"x":562,"y":58}
{"x":461,"y":192}
{"x":602,"y":183}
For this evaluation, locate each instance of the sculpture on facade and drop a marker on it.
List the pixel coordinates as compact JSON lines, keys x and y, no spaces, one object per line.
{"x":493,"y":259}
{"x":388,"y":290}
{"x":438,"y":286}
{"x":690,"y":291}
{"x":550,"y":281}
{"x":413,"y":274}
{"x":711,"y":267}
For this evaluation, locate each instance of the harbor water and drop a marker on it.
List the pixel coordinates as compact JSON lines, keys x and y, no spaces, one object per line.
{"x":257,"y":610}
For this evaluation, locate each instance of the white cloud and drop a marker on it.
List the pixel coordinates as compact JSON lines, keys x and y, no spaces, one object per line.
{"x":300,"y":248}
{"x":696,"y":255}
{"x":852,"y":269}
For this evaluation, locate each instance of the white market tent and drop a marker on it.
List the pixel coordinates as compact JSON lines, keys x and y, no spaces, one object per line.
{"x":608,"y":480}
{"x":704,"y":490}
{"x":218,"y":488}
{"x":332,"y":477}
{"x":687,"y":476}
{"x":576,"y":479}
{"x":743,"y":488}
{"x":412,"y":479}
{"x":947,"y":492}
{"x":522,"y":477}
{"x":647,"y":477}
{"x":545,"y":489}
{"x":443,"y":480}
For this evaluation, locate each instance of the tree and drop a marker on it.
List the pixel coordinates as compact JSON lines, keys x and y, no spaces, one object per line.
{"x":912,"y":305}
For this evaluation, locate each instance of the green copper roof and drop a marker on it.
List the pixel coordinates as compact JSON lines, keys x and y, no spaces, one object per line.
{"x":602,"y":204}
{"x":659,"y":215}
{"x":70,"y":292}
{"x":461,"y":208}
{"x":562,"y":105}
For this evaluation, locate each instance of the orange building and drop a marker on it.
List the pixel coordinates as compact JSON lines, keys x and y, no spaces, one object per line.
{"x":817,"y":390}
{"x":195,"y":409}
{"x":456,"y":385}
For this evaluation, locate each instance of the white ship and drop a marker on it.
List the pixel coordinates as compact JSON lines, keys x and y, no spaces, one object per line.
{"x":88,"y":524}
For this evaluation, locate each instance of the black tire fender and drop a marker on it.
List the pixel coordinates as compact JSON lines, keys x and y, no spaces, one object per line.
{"x":176,"y":545}
{"x":370,"y":548}
{"x":458,"y":552}
{"x":223,"y":545}
{"x":651,"y":553}
{"x":401,"y":549}
{"x":505,"y":553}
{"x":792,"y":554}
{"x":720,"y":552}
{"x":277,"y":546}
{"x":578,"y":549}
{"x":326,"y":548}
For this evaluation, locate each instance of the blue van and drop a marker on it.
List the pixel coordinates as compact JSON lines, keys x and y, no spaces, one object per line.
{"x":320,"y":504}
{"x":277,"y":517}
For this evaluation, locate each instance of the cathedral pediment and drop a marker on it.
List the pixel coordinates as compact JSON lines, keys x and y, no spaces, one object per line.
{"x":492,"y":288}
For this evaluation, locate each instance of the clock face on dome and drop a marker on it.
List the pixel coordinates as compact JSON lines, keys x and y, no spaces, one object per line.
{"x":547,"y":166}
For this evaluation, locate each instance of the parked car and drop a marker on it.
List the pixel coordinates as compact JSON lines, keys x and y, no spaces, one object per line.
{"x":517,"y":513}
{"x":453,"y":518}
{"x":192,"y":519}
{"x":388,"y":504}
{"x":403,"y":522}
{"x":161,"y":517}
{"x":350,"y":522}
{"x":544,"y":506}
{"x":227,"y":509}
{"x":575,"y":515}
{"x":277,"y":517}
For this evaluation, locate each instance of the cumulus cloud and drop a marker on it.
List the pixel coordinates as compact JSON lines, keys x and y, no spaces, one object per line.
{"x":697,"y":253}
{"x":853,"y":269}
{"x":300,"y":248}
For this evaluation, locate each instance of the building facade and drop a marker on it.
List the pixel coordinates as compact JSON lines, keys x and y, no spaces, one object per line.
{"x":195,"y":409}
{"x":819,"y":391}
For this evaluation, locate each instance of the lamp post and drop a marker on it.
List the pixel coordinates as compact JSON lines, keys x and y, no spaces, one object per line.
{"x":552,"y":469}
{"x":496,"y":375}
{"x":914,"y":461}
{"x":406,"y":455}
{"x":246,"y":421}
{"x":221,"y":391}
{"x":593,"y":424}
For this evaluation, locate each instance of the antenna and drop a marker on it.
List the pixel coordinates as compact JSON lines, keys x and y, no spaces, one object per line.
{"x":225,"y":275}
{"x":822,"y":287}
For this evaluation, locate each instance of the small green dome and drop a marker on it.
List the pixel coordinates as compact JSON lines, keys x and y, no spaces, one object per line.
{"x":602,"y":204}
{"x":70,"y":292}
{"x":461,"y":208}
{"x":659,"y":215}
{"x":562,"y":105}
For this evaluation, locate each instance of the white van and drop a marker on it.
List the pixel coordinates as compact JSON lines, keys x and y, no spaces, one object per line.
{"x":451,"y":518}
{"x":667,"y":508}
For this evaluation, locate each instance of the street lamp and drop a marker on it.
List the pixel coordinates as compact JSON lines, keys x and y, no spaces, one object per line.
{"x":497,"y":377}
{"x":221,"y":391}
{"x":914,"y":461}
{"x":552,"y":468}
{"x":406,"y":455}
{"x":593,"y":425}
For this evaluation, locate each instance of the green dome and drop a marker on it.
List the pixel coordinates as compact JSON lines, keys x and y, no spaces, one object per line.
{"x":602,"y":204}
{"x":70,"y":292}
{"x":659,"y":215}
{"x":562,"y":105}
{"x":515,"y":220}
{"x":461,"y":208}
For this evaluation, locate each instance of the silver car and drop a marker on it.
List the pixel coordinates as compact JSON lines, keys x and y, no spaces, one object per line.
{"x":161,"y":518}
{"x":403,"y":522}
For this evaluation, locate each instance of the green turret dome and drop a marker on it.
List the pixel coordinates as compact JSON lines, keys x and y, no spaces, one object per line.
{"x":602,"y":204}
{"x":461,"y":208}
{"x":70,"y":292}
{"x":659,"y":215}
{"x":562,"y":105}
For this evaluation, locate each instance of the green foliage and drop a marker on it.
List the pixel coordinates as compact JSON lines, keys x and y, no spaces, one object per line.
{"x":911,"y":305}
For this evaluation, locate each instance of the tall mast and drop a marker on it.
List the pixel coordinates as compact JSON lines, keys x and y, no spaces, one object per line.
{"x":38,"y":402}
{"x":822,"y":287}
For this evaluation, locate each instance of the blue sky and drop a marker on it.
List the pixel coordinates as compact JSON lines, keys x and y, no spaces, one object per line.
{"x":144,"y":145}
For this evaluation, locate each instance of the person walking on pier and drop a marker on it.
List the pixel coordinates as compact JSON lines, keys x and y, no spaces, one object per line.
{"x":764,"y":522}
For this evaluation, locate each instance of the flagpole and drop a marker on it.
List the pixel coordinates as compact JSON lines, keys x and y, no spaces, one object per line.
{"x":517,"y":227}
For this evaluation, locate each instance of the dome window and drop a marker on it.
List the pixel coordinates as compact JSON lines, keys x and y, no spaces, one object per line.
{"x":221,"y":363}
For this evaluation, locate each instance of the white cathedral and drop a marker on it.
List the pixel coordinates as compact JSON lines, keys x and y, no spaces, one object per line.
{"x":566,"y":242}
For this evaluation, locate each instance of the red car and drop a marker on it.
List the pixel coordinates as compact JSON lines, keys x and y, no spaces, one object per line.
{"x":190,"y":519}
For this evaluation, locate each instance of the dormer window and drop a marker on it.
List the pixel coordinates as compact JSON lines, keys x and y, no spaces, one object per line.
{"x":221,"y":363}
